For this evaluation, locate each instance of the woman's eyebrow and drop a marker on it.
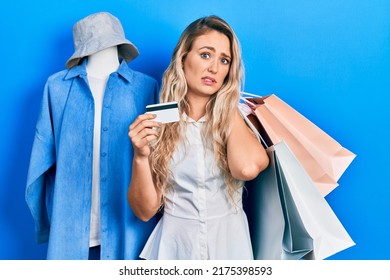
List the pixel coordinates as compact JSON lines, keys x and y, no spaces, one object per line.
{"x":213,"y":49}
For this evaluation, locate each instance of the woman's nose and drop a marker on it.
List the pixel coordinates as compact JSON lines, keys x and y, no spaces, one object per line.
{"x":213,"y":67}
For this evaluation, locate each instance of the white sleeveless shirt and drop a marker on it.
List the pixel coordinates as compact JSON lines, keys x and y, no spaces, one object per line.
{"x":199,"y":221}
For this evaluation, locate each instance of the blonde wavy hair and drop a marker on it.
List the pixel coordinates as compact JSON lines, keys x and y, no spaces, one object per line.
{"x":218,"y":110}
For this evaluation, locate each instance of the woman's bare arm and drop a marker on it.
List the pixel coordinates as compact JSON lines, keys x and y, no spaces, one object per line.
{"x":143,"y":197}
{"x":246,"y":156}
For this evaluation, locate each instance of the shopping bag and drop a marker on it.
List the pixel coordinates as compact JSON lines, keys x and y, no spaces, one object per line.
{"x":328,"y":234}
{"x":277,"y":232}
{"x":288,"y":217}
{"x":324,"y":159}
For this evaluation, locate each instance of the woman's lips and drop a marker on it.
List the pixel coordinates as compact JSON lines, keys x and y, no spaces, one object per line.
{"x":209,"y":81}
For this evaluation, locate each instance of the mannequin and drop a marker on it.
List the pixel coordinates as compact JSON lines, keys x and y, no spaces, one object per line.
{"x":99,"y":67}
{"x":103,"y":63}
{"x":81,"y":165}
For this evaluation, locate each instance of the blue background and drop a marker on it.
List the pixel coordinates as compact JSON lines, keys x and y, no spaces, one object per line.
{"x":328,"y":59}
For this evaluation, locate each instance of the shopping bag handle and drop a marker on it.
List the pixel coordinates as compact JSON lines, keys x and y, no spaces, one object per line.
{"x":251,"y":126}
{"x":247,"y":101}
{"x":250,"y":94}
{"x":253,"y":100}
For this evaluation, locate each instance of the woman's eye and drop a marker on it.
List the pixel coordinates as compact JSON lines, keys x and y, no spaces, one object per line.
{"x":225,"y":61}
{"x":205,"y":55}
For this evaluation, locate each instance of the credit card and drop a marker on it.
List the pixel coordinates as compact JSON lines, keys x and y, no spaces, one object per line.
{"x":165,"y":112}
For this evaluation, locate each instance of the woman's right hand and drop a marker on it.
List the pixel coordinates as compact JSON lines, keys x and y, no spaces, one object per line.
{"x":142,"y":132}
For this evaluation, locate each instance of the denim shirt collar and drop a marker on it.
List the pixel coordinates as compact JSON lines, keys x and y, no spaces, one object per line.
{"x":81,"y":70}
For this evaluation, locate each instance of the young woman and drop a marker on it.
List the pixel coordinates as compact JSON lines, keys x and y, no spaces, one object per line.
{"x":194,"y":169}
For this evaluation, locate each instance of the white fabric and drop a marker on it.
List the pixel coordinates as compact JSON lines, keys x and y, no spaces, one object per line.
{"x":99,"y":67}
{"x":97,"y":86}
{"x":199,"y":222}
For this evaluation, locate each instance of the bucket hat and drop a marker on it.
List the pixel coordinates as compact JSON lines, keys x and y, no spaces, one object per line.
{"x":97,"y":32}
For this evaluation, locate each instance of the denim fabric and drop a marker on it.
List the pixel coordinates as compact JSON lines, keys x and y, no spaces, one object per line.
{"x":58,"y":191}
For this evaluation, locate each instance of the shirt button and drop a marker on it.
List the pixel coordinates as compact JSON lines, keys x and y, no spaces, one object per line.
{"x":105,"y":128}
{"x":104,"y":179}
{"x":104,"y":154}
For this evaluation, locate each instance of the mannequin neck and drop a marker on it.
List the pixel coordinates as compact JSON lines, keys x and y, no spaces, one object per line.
{"x":103,"y":63}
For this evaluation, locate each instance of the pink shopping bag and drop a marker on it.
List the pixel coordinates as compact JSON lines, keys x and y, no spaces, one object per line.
{"x":323,"y":158}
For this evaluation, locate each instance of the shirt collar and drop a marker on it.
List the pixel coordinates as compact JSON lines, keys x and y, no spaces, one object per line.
{"x":81,"y":70}
{"x":189,"y":120}
{"x":125,"y":71}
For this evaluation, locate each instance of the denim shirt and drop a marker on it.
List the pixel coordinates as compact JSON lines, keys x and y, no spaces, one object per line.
{"x":59,"y":181}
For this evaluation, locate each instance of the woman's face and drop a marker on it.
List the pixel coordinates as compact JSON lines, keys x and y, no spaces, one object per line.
{"x":207,"y":64}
